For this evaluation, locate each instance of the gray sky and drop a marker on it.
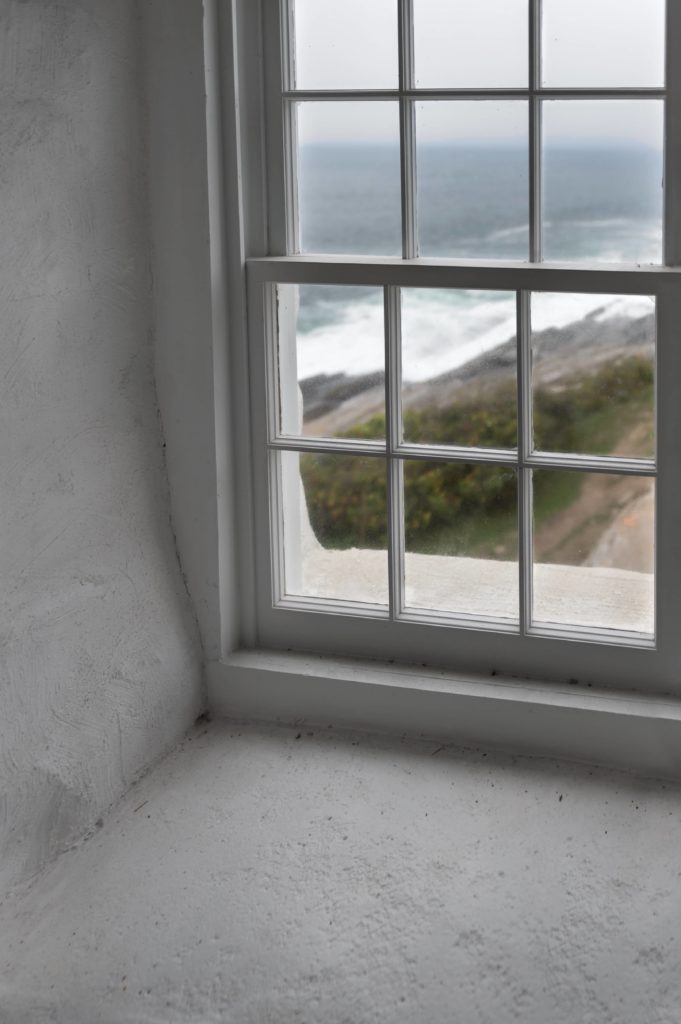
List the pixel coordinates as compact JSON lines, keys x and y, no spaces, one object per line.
{"x":353,"y":44}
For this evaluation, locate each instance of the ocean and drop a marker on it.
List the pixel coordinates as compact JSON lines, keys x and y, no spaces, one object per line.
{"x":601,"y":205}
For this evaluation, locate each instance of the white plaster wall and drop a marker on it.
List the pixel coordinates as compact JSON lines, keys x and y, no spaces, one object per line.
{"x":100,"y":667}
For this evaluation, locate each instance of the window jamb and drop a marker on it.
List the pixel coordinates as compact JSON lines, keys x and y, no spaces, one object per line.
{"x":672,"y":138}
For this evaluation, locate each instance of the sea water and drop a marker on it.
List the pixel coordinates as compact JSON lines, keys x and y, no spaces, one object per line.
{"x":600,"y":206}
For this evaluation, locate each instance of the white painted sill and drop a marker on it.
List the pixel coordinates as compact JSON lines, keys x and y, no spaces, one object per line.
{"x":639,"y":733}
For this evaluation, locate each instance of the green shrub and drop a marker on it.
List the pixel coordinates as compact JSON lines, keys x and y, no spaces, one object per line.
{"x":450,"y":503}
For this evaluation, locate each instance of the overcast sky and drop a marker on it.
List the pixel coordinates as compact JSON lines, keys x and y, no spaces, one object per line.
{"x":352,"y":44}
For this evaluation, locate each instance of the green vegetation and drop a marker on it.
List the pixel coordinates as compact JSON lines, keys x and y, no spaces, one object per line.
{"x":464,"y":508}
{"x":592,"y":413}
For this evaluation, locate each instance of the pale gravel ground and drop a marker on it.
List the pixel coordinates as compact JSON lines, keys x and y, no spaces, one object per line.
{"x":255,"y":877}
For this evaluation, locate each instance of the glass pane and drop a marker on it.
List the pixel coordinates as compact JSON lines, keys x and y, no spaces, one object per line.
{"x":348,"y":45}
{"x":331,"y":361}
{"x":593,"y":374}
{"x":461,"y":534}
{"x":603,"y":180}
{"x":459,"y":44}
{"x":472,"y":181}
{"x":459,"y":367}
{"x":335,"y":527}
{"x":603,"y":43}
{"x":349,"y":178}
{"x":594,"y":550}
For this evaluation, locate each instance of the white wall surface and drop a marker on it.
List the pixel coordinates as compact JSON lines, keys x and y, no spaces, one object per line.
{"x":100,"y":667}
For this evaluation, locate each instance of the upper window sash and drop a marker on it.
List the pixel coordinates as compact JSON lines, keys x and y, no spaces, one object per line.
{"x":280,"y":93}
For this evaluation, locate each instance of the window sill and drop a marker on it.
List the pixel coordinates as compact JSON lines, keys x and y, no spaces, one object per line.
{"x":640,"y":733}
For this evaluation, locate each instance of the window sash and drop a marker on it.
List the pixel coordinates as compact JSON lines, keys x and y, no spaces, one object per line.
{"x":299,"y":618}
{"x":394,"y":449}
{"x":282,"y":95}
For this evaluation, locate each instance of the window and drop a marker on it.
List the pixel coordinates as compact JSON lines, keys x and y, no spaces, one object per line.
{"x":464,"y":336}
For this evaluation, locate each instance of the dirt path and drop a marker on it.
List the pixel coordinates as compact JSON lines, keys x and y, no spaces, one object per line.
{"x":609,"y":524}
{"x":348,"y":414}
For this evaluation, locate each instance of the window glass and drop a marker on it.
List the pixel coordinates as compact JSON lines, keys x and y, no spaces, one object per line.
{"x":594,"y":550}
{"x":461,"y":538}
{"x":335,"y":527}
{"x":472,"y":174}
{"x":331,"y":361}
{"x":459,"y":44}
{"x":459,"y":384}
{"x":349,"y":178}
{"x":603,"y":42}
{"x":348,"y":45}
{"x":593,"y":374}
{"x":602,"y":180}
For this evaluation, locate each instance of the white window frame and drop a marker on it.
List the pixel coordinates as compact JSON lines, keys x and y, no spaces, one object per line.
{"x":259,"y":259}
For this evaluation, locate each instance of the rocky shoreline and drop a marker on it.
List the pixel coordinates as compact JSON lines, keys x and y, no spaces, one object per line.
{"x":335,"y":402}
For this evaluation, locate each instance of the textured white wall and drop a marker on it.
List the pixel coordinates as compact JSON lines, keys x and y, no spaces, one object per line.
{"x":100,"y":667}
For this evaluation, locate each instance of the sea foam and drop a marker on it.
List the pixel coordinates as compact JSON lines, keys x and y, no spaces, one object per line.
{"x":442,"y":330}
